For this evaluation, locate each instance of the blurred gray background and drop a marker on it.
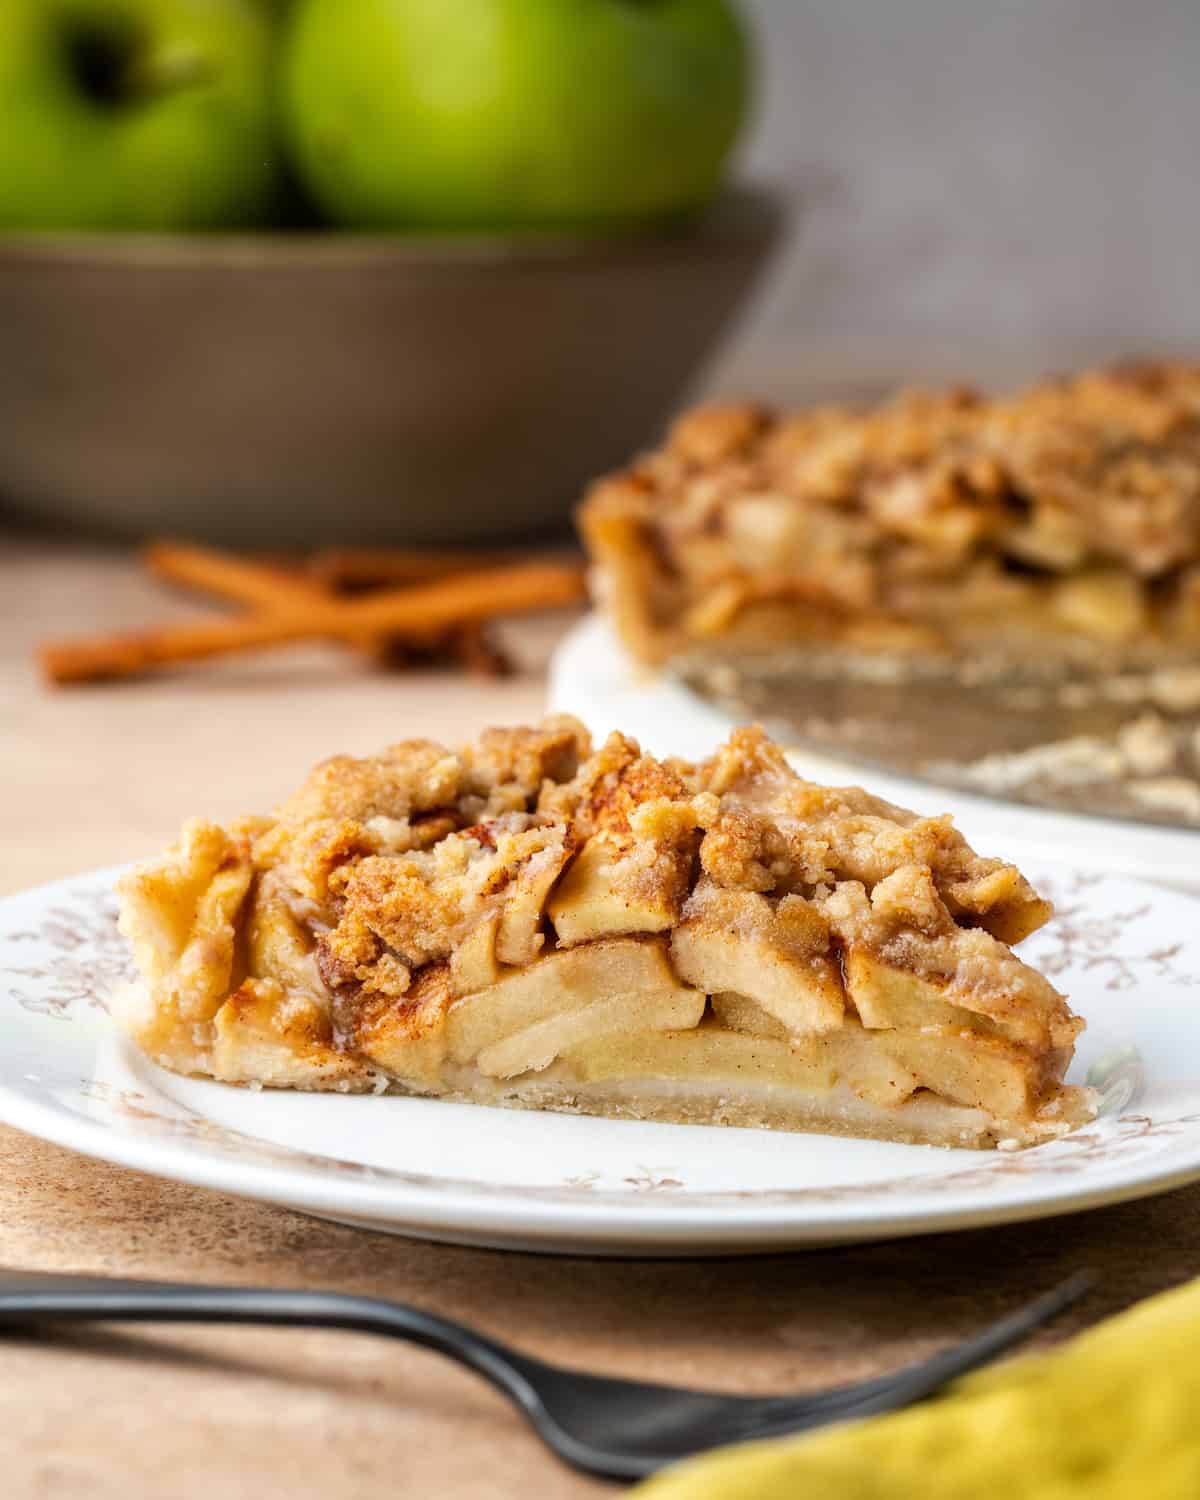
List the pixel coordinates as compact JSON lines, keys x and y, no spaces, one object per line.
{"x":981,"y":190}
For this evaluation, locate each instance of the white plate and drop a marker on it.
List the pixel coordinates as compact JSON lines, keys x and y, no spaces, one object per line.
{"x":592,"y":677}
{"x":1128,"y":954}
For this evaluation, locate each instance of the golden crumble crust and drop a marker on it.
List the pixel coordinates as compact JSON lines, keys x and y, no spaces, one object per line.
{"x":403,"y":780}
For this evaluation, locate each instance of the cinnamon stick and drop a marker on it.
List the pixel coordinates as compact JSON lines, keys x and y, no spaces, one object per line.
{"x":266,"y":585}
{"x":441,"y":605}
{"x":373,"y":567}
{"x":259,"y":584}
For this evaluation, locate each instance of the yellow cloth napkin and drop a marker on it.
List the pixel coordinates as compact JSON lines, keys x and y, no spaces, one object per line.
{"x":1113,"y":1415}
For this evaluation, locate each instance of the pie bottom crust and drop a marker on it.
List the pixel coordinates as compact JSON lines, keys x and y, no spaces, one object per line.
{"x":923,"y":1120}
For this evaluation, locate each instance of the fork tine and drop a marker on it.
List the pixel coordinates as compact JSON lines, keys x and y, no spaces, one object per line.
{"x":905,"y":1386}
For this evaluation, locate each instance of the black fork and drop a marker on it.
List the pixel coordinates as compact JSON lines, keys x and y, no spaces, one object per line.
{"x":623,"y":1429}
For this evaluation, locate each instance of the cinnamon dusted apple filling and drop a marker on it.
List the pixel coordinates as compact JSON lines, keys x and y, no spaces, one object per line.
{"x":532,"y":922}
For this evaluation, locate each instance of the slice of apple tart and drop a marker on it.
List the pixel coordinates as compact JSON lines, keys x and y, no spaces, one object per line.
{"x":532,"y":922}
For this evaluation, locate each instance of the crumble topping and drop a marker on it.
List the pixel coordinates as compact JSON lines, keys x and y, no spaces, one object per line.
{"x":934,"y":520}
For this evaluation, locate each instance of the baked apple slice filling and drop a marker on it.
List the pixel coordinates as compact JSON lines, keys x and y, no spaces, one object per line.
{"x":530,"y":922}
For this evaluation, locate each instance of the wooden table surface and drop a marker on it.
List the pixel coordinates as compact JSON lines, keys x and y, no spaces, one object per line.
{"x":101,"y":775}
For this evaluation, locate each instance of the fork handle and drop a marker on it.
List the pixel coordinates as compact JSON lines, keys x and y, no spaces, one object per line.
{"x":32,"y":1298}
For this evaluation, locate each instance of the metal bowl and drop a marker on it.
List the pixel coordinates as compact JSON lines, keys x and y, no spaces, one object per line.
{"x":291,"y":389}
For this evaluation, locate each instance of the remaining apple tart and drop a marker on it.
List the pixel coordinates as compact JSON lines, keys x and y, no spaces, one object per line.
{"x":530,"y":922}
{"x":1065,"y":518}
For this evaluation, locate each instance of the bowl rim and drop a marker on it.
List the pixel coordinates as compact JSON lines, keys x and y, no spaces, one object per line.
{"x":741,"y":213}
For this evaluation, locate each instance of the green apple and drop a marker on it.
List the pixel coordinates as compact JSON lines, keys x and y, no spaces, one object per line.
{"x":512,"y":114}
{"x":135,"y":114}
